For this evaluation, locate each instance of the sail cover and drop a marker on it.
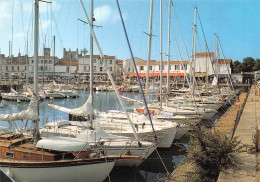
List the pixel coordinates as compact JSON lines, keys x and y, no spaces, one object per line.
{"x":84,"y":110}
{"x":215,"y":81}
{"x":31,"y":113}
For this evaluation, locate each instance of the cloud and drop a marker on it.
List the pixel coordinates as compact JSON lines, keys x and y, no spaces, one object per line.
{"x":105,"y":14}
{"x":44,"y":24}
{"x":18,"y":35}
{"x":5,"y":9}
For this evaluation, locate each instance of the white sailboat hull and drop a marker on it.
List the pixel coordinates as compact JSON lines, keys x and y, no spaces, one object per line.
{"x":91,"y":172}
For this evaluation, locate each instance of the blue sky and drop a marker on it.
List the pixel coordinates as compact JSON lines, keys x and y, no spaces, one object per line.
{"x":237,"y":23}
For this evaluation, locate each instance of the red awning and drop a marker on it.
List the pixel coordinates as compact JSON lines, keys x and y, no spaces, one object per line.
{"x":124,"y":76}
{"x":158,"y":74}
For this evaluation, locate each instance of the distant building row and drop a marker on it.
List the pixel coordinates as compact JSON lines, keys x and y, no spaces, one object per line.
{"x":73,"y":63}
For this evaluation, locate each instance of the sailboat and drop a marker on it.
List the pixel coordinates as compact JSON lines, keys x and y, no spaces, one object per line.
{"x":31,"y":158}
{"x":97,"y":138}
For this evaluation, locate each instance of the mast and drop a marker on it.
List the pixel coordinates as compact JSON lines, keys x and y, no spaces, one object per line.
{"x":35,"y":79}
{"x":161,"y":63}
{"x":27,"y":61}
{"x":149,"y":49}
{"x":218,"y":71}
{"x":91,"y":61}
{"x":206,"y":64}
{"x":54,"y":57}
{"x":43,"y":61}
{"x":168,"y":62}
{"x":10,"y":75}
{"x":194,"y":50}
{"x":108,"y":72}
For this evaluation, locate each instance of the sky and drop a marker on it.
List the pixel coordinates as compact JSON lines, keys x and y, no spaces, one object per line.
{"x":236,"y":22}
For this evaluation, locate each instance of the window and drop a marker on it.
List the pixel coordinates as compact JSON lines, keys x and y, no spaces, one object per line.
{"x":111,"y":61}
{"x":151,"y":68}
{"x":141,"y":68}
{"x":177,"y":67}
{"x":45,"y":61}
{"x":185,"y":67}
{"x":101,"y":68}
{"x":41,"y":61}
{"x":41,"y":68}
{"x":12,"y":68}
{"x":9,"y":154}
{"x":17,"y":68}
{"x":85,"y":68}
{"x":68,"y":69}
{"x":129,"y":69}
{"x":94,"y":60}
{"x":6,"y":68}
{"x":32,"y":61}
{"x":110,"y":68}
{"x":49,"y":61}
{"x":170,"y":67}
{"x":25,"y":68}
{"x":162,"y":67}
{"x":94,"y":68}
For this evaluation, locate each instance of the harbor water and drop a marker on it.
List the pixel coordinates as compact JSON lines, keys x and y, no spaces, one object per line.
{"x":157,"y":166}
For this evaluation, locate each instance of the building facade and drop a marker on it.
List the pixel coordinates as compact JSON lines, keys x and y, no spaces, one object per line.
{"x":128,"y":66}
{"x":99,"y":66}
{"x":177,"y":68}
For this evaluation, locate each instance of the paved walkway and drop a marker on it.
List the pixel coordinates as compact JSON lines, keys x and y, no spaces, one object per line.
{"x":224,"y":124}
{"x":249,"y":170}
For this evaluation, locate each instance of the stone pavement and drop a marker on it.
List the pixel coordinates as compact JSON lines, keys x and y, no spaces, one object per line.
{"x":249,"y":170}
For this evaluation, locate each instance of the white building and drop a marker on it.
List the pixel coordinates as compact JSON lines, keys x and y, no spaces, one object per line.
{"x":204,"y":61}
{"x":66,"y":67}
{"x":177,"y":68}
{"x":46,"y":65}
{"x":15,"y":67}
{"x":128,"y":65}
{"x":98,"y":65}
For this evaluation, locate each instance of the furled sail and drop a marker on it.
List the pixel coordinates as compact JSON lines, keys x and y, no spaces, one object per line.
{"x":31,"y":113}
{"x":215,"y":81}
{"x":84,"y":110}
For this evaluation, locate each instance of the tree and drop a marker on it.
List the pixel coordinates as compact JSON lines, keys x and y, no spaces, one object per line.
{"x":248,"y":64}
{"x":237,"y":66}
{"x":257,"y":65}
{"x":232,"y":67}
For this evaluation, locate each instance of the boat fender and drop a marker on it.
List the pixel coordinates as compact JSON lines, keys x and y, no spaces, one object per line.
{"x":143,"y":125}
{"x":9,"y":174}
{"x":136,"y":127}
{"x":93,"y":155}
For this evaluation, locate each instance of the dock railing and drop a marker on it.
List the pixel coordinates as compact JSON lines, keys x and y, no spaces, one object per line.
{"x":239,"y":113}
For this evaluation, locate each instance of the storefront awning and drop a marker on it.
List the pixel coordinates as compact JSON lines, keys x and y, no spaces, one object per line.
{"x":157,"y":74}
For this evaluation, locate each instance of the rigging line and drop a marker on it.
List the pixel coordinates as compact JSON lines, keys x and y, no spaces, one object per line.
{"x":211,"y":59}
{"x":230,"y":79}
{"x":12,"y":31}
{"x":68,"y":13}
{"x":139,"y":81}
{"x":185,"y":73}
{"x":57,"y":29}
{"x":177,"y":20}
{"x":162,"y":161}
{"x":23,"y":24}
{"x":27,"y":34}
